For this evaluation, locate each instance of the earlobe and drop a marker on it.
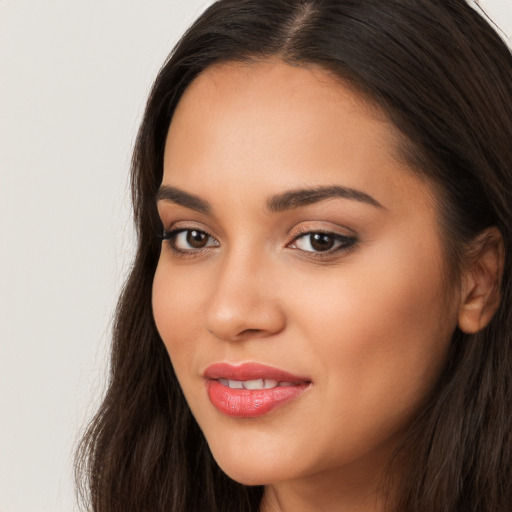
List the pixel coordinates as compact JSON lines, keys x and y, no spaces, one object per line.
{"x":481,"y":281}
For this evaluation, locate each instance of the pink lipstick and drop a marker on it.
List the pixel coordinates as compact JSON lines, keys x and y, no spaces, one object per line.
{"x":251,"y":389}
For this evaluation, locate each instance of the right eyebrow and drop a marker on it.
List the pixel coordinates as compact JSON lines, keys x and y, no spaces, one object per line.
{"x":175,"y":195}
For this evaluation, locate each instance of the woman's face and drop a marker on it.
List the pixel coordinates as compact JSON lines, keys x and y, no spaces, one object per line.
{"x":300,"y":290}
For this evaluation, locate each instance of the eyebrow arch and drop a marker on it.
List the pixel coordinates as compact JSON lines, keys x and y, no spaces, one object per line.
{"x":303,"y":197}
{"x":278,"y":203}
{"x":168,"y":193}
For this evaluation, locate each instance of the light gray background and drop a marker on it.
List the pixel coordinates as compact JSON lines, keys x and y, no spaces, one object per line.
{"x":74,"y":76}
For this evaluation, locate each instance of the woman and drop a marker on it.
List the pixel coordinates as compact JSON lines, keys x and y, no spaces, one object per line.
{"x":318,"y":317}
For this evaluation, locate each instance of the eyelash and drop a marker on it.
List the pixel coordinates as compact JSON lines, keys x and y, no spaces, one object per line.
{"x":171,"y":235}
{"x":345,"y":243}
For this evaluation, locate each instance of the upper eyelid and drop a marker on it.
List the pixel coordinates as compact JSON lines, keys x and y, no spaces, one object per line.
{"x":312,"y":227}
{"x":185,"y":225}
{"x":295,"y":232}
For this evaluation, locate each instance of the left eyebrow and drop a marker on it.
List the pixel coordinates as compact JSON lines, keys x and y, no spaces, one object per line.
{"x":306,"y":196}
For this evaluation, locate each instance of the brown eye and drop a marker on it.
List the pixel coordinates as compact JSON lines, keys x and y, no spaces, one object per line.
{"x":196,"y":239}
{"x":322,"y":242}
{"x":190,"y":240}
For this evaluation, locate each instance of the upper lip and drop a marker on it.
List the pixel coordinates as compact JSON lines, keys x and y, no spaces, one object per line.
{"x":250,"y":371}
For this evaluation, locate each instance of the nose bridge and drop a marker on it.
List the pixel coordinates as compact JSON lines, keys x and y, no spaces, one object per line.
{"x":243,"y":299}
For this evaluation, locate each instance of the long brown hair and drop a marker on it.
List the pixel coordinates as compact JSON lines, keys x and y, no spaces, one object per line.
{"x":444,"y":78}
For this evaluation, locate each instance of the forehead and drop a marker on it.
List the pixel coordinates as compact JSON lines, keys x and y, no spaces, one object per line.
{"x":281,"y":125}
{"x":260,"y":75}
{"x":276,"y":87}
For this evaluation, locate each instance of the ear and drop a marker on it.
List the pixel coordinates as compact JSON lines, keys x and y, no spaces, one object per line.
{"x":481,"y":281}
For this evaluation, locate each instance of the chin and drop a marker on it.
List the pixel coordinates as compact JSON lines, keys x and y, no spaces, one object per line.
{"x":249,"y":476}
{"x":247,"y":470}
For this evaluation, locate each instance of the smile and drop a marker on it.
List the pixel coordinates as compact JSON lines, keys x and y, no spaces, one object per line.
{"x":254,"y":384}
{"x":251,"y":390}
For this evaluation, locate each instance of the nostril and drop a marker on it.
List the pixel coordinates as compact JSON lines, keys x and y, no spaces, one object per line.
{"x":250,"y":331}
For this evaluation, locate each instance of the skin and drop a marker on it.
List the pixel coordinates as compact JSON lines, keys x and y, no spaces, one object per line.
{"x":368,"y":324}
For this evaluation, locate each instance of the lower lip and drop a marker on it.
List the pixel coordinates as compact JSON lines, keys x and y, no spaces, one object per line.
{"x":244,"y":403}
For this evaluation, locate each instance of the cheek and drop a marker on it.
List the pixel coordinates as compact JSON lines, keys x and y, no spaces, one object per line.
{"x":380,"y":330}
{"x":175,"y":302}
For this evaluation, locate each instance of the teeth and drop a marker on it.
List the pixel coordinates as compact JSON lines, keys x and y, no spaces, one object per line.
{"x":251,"y":384}
{"x":269,"y":383}
{"x":235,"y":384}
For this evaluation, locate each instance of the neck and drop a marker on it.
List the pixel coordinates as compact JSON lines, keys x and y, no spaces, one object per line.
{"x":365,"y":485}
{"x":326,"y":494}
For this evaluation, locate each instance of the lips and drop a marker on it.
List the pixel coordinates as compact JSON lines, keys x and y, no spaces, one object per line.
{"x":250,"y":390}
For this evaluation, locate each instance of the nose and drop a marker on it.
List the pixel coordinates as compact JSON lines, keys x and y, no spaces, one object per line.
{"x":244,"y":302}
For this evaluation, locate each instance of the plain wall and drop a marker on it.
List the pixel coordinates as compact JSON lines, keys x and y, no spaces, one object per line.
{"x":74,"y":76}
